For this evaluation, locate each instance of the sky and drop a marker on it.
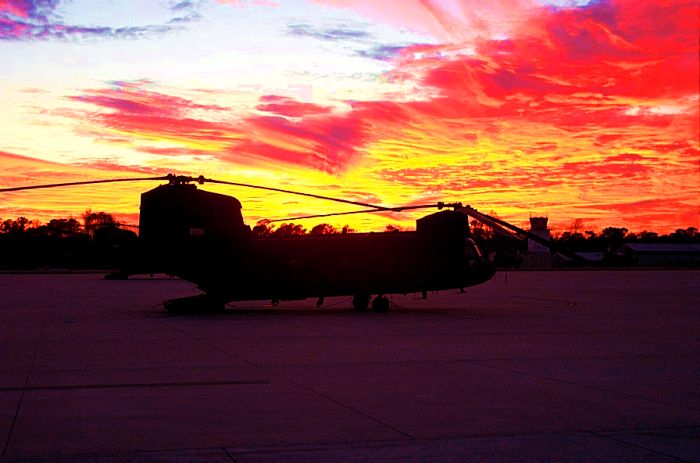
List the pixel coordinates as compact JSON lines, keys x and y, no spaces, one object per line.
{"x":569,"y":109}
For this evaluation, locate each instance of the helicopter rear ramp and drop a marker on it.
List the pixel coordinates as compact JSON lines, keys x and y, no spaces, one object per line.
{"x":530,"y":366}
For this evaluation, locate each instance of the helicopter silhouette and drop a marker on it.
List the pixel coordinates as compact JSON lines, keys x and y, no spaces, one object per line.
{"x":201,"y":237}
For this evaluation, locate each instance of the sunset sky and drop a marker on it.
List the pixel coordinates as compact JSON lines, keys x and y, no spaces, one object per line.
{"x":570,"y":109}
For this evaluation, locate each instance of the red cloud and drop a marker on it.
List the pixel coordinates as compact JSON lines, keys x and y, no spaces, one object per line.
{"x":284,"y":106}
{"x":578,"y":57}
{"x":134,"y":99}
{"x":315,"y":137}
{"x":328,"y":143}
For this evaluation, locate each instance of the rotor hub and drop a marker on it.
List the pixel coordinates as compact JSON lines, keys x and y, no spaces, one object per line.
{"x":184,"y":179}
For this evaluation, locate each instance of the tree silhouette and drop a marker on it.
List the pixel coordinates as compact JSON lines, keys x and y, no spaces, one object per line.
{"x":63,"y":228}
{"x":576,"y":227}
{"x":323,"y":229}
{"x":95,"y":220}
{"x":289,"y":229}
{"x":648,"y":236}
{"x":263,"y":229}
{"x":19,"y":225}
{"x":614,"y":237}
{"x":681,"y":235}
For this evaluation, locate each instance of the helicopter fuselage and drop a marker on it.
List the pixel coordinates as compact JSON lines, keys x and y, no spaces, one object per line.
{"x":200,"y":237}
{"x":337,"y":265}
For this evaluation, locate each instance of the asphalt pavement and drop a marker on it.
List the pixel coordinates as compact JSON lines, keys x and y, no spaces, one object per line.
{"x":529,"y":367}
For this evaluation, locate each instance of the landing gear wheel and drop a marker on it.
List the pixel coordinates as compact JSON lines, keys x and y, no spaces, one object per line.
{"x":360,"y":302}
{"x":380,"y":304}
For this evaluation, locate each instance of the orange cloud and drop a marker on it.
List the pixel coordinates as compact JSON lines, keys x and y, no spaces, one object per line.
{"x":44,"y":205}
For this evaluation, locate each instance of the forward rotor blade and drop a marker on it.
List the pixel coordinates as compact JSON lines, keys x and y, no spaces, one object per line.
{"x":298,"y":193}
{"x":183,"y":179}
{"x":86,"y":182}
{"x":363,"y":211}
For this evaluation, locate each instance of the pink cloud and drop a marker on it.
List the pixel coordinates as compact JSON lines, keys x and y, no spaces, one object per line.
{"x":284,"y":106}
{"x":19,"y":8}
{"x":136,"y":99}
{"x":299,"y":133}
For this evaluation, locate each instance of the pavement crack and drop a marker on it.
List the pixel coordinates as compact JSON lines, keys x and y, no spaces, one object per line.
{"x":228,"y":454}
{"x":26,"y":382}
{"x":299,"y":385}
{"x":133,"y":385}
{"x":637,"y":446}
{"x":485,"y":364}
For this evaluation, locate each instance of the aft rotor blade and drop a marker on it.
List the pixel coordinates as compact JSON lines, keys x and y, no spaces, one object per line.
{"x":362,"y":211}
{"x":498,"y":223}
{"x":86,"y":182}
{"x":298,"y":193}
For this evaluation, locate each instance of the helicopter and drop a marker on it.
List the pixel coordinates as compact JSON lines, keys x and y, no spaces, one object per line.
{"x":201,"y":237}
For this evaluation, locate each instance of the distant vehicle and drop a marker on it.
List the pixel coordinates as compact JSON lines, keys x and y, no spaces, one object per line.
{"x":200,"y":236}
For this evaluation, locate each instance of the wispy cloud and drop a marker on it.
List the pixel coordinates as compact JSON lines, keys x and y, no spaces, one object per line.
{"x":382,"y":52}
{"x":448,"y":22}
{"x":40,"y":20}
{"x":327,"y":33}
{"x":357,"y":38}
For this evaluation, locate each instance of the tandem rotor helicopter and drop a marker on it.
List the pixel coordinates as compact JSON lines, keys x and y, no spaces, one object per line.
{"x":200,"y":236}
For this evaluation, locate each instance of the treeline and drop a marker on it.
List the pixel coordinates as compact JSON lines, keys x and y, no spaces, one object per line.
{"x":612,"y":238}
{"x":97,"y":242}
{"x":266,"y":229}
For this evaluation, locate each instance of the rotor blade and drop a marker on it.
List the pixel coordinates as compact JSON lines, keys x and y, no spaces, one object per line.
{"x":298,"y":193}
{"x":86,"y":182}
{"x":485,"y":219}
{"x":494,"y":221}
{"x":363,"y":211}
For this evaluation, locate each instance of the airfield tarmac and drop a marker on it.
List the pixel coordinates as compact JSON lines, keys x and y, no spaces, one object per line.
{"x":531,"y":366}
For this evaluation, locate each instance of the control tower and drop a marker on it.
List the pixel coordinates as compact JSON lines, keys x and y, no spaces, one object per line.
{"x":537,"y":255}
{"x":538,"y":226}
